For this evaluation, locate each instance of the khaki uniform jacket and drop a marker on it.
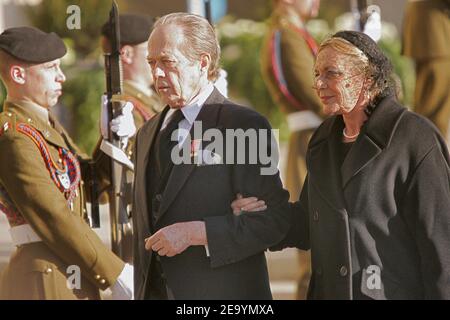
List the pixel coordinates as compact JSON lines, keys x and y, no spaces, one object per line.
{"x":426,"y":39}
{"x":426,"y":29}
{"x":149,"y":103}
{"x":297,"y":66}
{"x":297,"y":63}
{"x":66,"y":237}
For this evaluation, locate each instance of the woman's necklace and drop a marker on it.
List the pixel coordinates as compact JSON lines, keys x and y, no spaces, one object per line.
{"x":349,"y":137}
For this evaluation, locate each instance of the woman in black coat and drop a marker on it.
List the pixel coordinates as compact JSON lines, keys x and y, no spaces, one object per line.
{"x":375,"y":207}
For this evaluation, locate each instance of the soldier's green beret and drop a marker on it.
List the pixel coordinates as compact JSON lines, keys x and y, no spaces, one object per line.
{"x":32,"y":45}
{"x":134,"y":29}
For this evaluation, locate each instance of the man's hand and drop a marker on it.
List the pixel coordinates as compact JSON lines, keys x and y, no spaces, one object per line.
{"x":251,"y":204}
{"x":174,"y":239}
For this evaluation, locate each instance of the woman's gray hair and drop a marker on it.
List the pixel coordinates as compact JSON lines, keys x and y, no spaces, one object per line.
{"x":199,"y":38}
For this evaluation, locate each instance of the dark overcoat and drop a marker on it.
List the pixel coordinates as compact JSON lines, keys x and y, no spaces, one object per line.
{"x":236,"y":267}
{"x":379,"y":225}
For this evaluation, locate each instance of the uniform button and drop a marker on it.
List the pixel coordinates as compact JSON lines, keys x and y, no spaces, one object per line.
{"x":59,"y":161}
{"x":102,"y":281}
{"x":316,"y":215}
{"x":29,"y":120}
{"x":159,"y":197}
{"x":97,"y":277}
{"x":319,"y":271}
{"x":343,"y":271}
{"x":9,"y":114}
{"x":48,"y":270}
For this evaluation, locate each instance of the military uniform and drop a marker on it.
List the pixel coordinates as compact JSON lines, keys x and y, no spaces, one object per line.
{"x":426,"y":38}
{"x":287,"y":63}
{"x":43,"y":192}
{"x":290,"y":83}
{"x":134,"y":30}
{"x":37,"y":203}
{"x":146,"y":104}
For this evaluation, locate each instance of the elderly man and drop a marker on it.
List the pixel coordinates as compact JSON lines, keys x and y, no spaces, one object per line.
{"x":42,"y":191}
{"x":182,"y":211}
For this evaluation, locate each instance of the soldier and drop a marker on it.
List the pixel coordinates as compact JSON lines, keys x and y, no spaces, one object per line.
{"x":137,"y":80}
{"x":42,"y":191}
{"x":138,"y":88}
{"x":287,"y":61}
{"x":426,"y":37}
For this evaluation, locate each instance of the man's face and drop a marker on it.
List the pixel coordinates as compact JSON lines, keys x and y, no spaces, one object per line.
{"x":339,"y":79}
{"x":177,"y":80}
{"x":43,"y":83}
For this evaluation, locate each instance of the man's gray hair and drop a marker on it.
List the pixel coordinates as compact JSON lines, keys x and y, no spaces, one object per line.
{"x":199,"y":37}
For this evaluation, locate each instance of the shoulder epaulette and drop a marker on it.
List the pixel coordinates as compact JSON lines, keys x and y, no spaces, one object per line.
{"x":7,"y":122}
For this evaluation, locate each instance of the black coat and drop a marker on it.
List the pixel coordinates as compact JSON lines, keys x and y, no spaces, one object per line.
{"x":387,"y":207}
{"x":236,"y":268}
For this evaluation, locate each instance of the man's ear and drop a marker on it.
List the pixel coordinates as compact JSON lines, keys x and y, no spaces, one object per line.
{"x":127,"y":54}
{"x":17,"y":74}
{"x":205,"y":61}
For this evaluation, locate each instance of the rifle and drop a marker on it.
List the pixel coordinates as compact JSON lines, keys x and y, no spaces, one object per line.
{"x":119,"y":220}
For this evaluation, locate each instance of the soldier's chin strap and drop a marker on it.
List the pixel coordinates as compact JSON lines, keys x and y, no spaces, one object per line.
{"x":116,"y":154}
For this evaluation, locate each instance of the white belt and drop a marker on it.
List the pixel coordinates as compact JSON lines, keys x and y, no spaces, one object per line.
{"x":303,"y":120}
{"x":23,"y":234}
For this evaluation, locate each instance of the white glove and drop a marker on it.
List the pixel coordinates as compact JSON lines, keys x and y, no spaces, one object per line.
{"x":373,"y":25}
{"x":123,"y":289}
{"x":221,"y":83}
{"x":123,"y":125}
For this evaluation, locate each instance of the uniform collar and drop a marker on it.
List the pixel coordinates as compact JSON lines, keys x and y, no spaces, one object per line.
{"x":29,"y":114}
{"x":31,"y":109}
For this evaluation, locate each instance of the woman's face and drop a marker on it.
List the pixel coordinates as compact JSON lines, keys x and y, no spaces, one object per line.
{"x":338,"y":79}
